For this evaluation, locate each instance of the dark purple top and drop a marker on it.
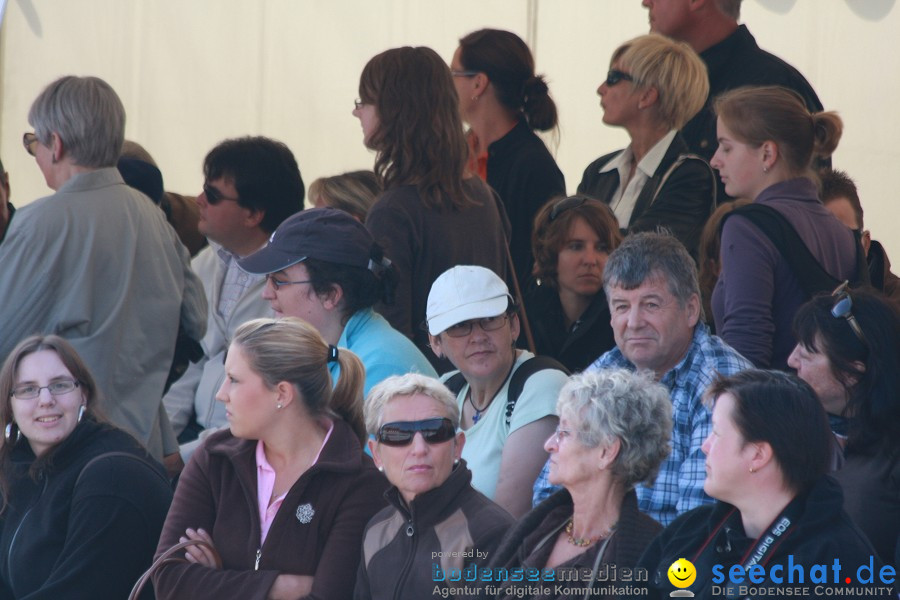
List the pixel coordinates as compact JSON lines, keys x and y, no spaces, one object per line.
{"x":757,"y":295}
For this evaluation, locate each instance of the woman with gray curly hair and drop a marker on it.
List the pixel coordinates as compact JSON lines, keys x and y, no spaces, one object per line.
{"x":614,"y":429}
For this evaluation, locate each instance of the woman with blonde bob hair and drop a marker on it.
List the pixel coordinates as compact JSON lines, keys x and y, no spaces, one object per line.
{"x":353,"y":192}
{"x":284,"y":495}
{"x":653,"y":87}
{"x":414,"y":421}
{"x":408,"y":110}
{"x":767,"y":142}
{"x":614,"y":431}
{"x":82,"y":501}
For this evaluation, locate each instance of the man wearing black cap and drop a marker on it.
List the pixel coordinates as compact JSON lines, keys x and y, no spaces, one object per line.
{"x":324,"y":266}
{"x":251,"y":185}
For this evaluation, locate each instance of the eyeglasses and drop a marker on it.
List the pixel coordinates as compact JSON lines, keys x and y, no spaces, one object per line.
{"x":401,"y":433}
{"x":559,"y":435}
{"x":29,"y":391}
{"x":843,"y":309}
{"x":358,"y":104}
{"x":30,"y":141}
{"x":565,"y":204}
{"x":464,"y":73}
{"x":615,"y":76}
{"x":214,"y":196}
{"x":278,"y":284}
{"x":487,"y":324}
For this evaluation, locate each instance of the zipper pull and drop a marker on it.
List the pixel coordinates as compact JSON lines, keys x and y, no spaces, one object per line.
{"x":410,"y":530}
{"x":258,"y":556}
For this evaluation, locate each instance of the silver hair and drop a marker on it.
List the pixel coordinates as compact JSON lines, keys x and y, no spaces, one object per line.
{"x":407,"y":385}
{"x":648,"y":255}
{"x":617,"y":404}
{"x":87,"y":115}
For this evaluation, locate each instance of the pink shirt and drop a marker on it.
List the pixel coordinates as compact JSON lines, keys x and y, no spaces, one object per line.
{"x":265,"y":483}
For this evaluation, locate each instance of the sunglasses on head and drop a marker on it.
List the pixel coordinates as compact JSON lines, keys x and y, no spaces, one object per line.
{"x":565,"y":204}
{"x":401,"y":433}
{"x":843,"y":309}
{"x":614,"y":76}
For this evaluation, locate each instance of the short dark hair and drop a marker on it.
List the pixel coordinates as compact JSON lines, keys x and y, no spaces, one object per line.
{"x":873,"y":404}
{"x":783,"y":411}
{"x":649,"y":254}
{"x":265,"y":175}
{"x":361,"y":287}
{"x":549,"y":235}
{"x":837,"y":184}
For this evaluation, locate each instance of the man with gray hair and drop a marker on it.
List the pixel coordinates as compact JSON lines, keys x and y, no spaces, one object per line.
{"x":733,"y":59}
{"x":654,"y":299}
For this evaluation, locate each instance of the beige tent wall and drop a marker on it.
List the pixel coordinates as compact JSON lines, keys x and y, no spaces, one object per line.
{"x":192,"y":72}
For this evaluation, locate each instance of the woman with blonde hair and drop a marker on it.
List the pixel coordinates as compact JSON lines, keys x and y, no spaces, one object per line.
{"x":354,"y":192}
{"x":408,"y":111}
{"x":767,"y":142}
{"x":653,"y":87}
{"x":285,"y":494}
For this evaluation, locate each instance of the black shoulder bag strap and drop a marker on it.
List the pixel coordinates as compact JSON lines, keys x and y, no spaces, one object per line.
{"x":520,"y":377}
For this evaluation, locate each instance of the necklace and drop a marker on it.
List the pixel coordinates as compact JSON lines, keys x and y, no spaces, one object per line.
{"x":477,"y":410}
{"x":585,"y":542}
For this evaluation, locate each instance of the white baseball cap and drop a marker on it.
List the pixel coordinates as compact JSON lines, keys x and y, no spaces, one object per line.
{"x":462,"y":293}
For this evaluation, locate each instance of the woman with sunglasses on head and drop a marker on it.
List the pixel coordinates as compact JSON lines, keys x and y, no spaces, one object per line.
{"x":285,"y":494}
{"x":504,"y":103}
{"x":614,"y":430}
{"x":654,"y":86}
{"x":506,"y":396}
{"x":770,"y":249}
{"x":433,"y":506}
{"x":567,"y":309}
{"x":432,"y":214}
{"x":848,"y":349}
{"x":82,"y":503}
{"x":777,"y":512}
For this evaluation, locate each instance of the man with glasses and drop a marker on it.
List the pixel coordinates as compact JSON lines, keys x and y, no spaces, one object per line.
{"x":251,"y":185}
{"x":732,"y":58}
{"x":6,"y":207}
{"x":654,"y":298}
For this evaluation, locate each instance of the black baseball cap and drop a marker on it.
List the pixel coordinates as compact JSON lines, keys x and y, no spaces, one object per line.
{"x":326,"y":234}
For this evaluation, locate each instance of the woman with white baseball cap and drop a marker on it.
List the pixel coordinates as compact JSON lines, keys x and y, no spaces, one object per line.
{"x":506,"y":396}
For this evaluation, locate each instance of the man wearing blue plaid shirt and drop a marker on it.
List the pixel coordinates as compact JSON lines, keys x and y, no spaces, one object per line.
{"x":654,"y":298}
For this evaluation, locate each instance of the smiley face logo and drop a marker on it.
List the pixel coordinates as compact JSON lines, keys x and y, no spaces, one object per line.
{"x":682,"y":573}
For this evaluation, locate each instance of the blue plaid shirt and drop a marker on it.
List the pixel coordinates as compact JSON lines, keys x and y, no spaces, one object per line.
{"x":679,"y":485}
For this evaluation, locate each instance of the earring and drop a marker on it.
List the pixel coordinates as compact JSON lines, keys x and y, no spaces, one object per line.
{"x":765,"y":169}
{"x":474,"y":98}
{"x":279,"y":405}
{"x":381,"y":469}
{"x":11,"y":433}
{"x":80,"y":412}
{"x":456,"y":462}
{"x":752,"y":470}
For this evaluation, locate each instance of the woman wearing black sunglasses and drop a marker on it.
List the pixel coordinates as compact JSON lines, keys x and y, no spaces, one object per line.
{"x":285,"y":493}
{"x":654,"y":86}
{"x":848,"y":350}
{"x":437,"y":524}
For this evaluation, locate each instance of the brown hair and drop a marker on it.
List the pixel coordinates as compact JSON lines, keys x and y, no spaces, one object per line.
{"x":757,"y":114}
{"x":710,"y":250}
{"x":837,"y":184}
{"x":419,"y":139}
{"x":507,"y":61}
{"x":354,"y":192}
{"x":549,"y":235}
{"x":8,"y":375}
{"x":292,"y":350}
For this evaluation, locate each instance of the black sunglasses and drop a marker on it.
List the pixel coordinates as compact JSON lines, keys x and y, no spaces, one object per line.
{"x":214,"y":196}
{"x":615,"y":76}
{"x":401,"y":433}
{"x":843,"y":309}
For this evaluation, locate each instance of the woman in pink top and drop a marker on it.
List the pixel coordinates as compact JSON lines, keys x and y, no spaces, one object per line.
{"x":283,"y":495}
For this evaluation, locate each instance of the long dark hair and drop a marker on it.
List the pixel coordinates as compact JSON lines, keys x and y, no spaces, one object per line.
{"x":873,"y":404}
{"x":419,"y":139}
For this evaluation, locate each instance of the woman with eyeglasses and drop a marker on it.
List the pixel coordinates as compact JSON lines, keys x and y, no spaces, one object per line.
{"x":614,"y":430}
{"x":654,"y":86}
{"x":506,"y":396}
{"x":433,"y":214}
{"x":567,"y":309}
{"x":786,"y":246}
{"x":283,"y":495}
{"x":436,"y":524}
{"x":777,"y":512}
{"x":848,"y":350}
{"x":82,"y":503}
{"x":505,"y":102}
